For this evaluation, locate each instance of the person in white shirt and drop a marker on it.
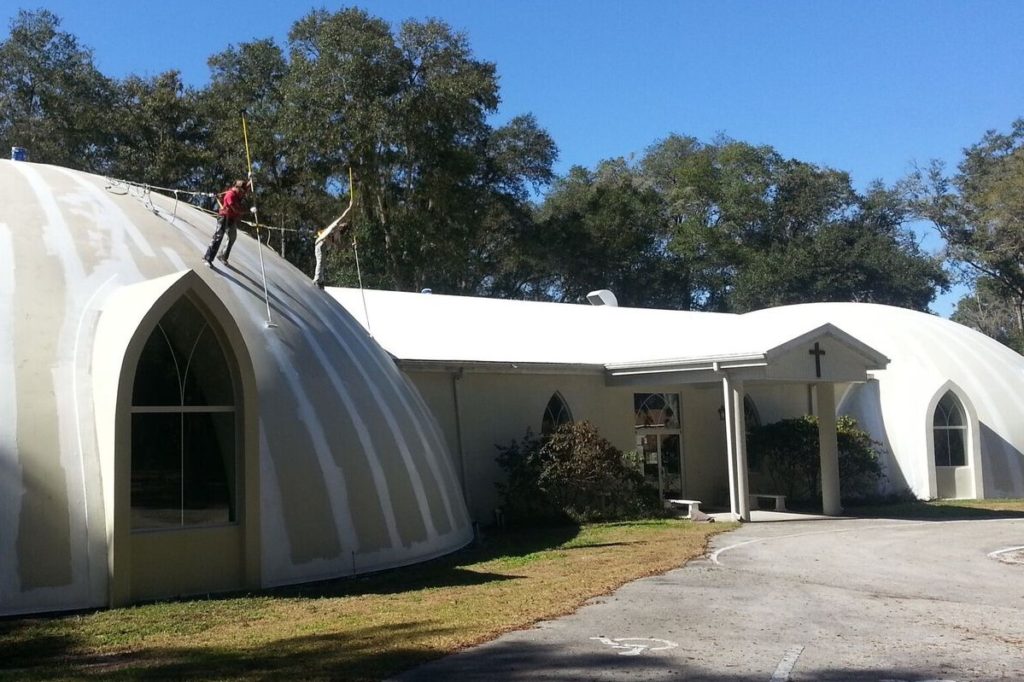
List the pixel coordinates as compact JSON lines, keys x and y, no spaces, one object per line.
{"x":329,"y":236}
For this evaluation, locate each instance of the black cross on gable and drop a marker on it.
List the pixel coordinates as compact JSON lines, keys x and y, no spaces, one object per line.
{"x":817,"y":352}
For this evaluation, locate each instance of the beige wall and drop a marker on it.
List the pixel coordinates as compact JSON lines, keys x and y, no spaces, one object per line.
{"x":187,"y":561}
{"x":496,"y":408}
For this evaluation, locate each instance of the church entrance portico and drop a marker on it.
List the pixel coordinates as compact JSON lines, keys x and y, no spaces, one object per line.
{"x":821,"y":358}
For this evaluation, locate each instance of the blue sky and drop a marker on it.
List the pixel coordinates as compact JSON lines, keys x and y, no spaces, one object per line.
{"x":869,"y":87}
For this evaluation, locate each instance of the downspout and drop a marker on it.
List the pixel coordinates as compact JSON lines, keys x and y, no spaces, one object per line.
{"x":456,"y":377}
{"x":730,"y":446}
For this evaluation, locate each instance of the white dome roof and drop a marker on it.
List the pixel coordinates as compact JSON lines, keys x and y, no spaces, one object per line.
{"x":352,"y":471}
{"x":928,"y":356}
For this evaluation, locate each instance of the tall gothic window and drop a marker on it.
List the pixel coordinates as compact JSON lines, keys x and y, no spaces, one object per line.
{"x":184,"y":449}
{"x":950,"y":428}
{"x":555,"y":414}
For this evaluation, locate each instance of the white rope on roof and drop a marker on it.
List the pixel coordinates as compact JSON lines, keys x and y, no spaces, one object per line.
{"x":141,"y":190}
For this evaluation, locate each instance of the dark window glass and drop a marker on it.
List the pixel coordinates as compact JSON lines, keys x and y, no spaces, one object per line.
{"x":555,"y":414}
{"x":949,"y":429}
{"x":956,"y":448}
{"x":156,"y":380}
{"x":183,"y":426}
{"x":750,"y":414}
{"x":656,"y":410}
{"x":208,"y":381}
{"x":208,"y":468}
{"x":156,"y":470}
{"x":941,"y":449}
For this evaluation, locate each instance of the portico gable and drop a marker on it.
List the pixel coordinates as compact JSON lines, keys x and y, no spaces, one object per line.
{"x":820,"y":357}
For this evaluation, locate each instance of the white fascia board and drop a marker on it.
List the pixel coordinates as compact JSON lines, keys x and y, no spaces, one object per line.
{"x":714,"y":363}
{"x":484,"y":367}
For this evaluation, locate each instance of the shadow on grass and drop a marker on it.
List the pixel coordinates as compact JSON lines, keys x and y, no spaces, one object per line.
{"x":30,"y":649}
{"x":38,"y":644}
{"x":371,"y":653}
{"x":447,"y":571}
{"x":941,"y":511}
{"x":378,"y":653}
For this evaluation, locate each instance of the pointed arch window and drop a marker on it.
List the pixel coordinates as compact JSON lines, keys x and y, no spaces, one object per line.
{"x":555,"y":414}
{"x":184,"y":456}
{"x":656,"y":410}
{"x":949,"y":425}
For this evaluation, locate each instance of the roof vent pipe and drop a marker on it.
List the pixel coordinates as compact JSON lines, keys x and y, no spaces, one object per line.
{"x":602,"y":297}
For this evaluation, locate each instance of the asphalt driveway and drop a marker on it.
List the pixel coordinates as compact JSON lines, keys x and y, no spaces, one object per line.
{"x":824,"y":599}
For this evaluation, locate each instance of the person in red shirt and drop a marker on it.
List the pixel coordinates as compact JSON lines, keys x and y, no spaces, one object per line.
{"x":231,"y":210}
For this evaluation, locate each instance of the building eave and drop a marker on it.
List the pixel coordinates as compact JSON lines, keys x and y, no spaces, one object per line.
{"x":498,"y":367}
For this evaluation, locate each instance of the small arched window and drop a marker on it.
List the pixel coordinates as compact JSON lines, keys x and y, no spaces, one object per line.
{"x":184,"y":450}
{"x":555,"y":414}
{"x":949,"y":425}
{"x":655,"y":411}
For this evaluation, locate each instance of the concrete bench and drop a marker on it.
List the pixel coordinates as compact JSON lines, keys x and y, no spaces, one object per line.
{"x":693,"y":506}
{"x":780,"y":501}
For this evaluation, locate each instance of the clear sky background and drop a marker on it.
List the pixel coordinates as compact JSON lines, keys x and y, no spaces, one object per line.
{"x":868,"y":86}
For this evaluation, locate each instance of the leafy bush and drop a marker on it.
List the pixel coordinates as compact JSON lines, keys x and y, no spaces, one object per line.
{"x":572,"y":474}
{"x":788,"y":451}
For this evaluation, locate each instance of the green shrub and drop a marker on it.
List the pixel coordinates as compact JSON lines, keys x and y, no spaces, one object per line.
{"x":573,"y":474}
{"x":788,"y":452}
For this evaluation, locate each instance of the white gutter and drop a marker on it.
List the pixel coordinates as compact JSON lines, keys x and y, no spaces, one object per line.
{"x":705,"y":364}
{"x":502,"y":367}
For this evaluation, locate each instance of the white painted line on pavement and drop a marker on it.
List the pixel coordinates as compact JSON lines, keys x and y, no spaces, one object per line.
{"x":634,"y":646}
{"x":998,"y":554}
{"x":713,"y":557}
{"x":785,"y":666}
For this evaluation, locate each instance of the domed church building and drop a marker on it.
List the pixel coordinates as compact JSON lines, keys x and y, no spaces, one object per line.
{"x":169,"y":429}
{"x":681,"y":388}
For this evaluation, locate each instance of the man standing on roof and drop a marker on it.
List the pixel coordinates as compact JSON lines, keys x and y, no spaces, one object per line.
{"x":328,"y":236}
{"x":231,"y":210}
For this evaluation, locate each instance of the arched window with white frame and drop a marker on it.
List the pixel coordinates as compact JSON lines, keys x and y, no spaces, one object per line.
{"x":184,"y":448}
{"x":949,"y":425}
{"x":556,"y":413}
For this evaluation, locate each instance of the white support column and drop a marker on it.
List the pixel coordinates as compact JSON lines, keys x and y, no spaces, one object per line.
{"x":825,"y":402}
{"x":730,"y":447}
{"x":740,"y":437}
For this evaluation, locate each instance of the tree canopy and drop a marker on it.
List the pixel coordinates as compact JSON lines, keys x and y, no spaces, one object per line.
{"x":979,"y":212}
{"x":731,"y":226}
{"x":448,"y":199}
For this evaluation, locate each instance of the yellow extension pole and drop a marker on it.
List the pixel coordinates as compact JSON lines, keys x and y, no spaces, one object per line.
{"x":256,"y":215}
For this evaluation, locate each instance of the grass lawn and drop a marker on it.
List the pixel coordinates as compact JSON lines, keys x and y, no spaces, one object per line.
{"x":359,"y":628}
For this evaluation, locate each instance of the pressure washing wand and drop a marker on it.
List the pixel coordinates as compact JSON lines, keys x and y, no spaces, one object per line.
{"x":355,"y":249}
{"x":256,"y":217}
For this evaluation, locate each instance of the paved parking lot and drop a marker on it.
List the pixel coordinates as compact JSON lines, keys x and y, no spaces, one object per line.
{"x":824,"y":599}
